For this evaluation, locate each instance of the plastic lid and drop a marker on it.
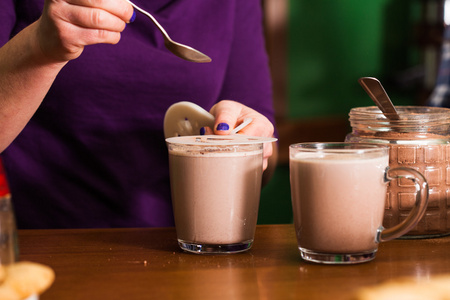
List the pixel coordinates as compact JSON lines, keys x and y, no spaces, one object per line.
{"x":236,"y":139}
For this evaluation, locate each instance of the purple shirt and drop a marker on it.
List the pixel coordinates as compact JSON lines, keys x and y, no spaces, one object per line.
{"x":94,"y":153}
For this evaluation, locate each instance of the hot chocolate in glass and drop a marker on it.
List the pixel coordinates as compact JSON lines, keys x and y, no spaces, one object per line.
{"x":338,"y":194}
{"x":216,"y":185}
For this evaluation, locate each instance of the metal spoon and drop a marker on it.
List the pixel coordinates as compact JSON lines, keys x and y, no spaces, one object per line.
{"x":373,"y":87}
{"x":180,"y":50}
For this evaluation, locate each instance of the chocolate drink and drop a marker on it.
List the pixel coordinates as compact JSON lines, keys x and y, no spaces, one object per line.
{"x":338,"y":201}
{"x":215,"y":196}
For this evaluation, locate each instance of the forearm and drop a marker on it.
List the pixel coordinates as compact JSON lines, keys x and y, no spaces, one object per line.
{"x":25,"y":78}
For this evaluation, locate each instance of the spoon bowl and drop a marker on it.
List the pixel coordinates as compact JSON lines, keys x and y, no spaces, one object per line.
{"x":183,"y":51}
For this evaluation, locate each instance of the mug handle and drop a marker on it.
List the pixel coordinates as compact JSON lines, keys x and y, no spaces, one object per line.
{"x":420,"y":205}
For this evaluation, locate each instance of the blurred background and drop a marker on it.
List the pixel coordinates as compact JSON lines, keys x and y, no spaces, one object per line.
{"x":319,"y":48}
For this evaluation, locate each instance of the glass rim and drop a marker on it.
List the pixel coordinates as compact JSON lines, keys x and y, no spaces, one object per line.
{"x":407,"y":113}
{"x":338,"y":147}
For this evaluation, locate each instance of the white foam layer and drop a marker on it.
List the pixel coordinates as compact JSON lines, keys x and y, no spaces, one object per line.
{"x":334,"y":157}
{"x":213,"y":153}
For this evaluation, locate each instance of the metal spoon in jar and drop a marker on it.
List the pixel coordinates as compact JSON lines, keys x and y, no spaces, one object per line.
{"x":375,"y":90}
{"x":180,"y":50}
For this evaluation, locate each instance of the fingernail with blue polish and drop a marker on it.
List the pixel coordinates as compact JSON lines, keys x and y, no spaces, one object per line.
{"x":202,"y":131}
{"x":133,"y":17}
{"x":223,"y":127}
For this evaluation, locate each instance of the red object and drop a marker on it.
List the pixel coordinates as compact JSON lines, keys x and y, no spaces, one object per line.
{"x":4,"y":188}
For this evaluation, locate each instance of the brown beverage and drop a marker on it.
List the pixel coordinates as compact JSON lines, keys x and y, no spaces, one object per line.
{"x":216,"y":186}
{"x":339,"y":202}
{"x":215,"y":196}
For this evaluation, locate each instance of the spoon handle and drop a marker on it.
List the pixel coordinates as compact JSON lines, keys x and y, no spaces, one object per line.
{"x":375,"y":90}
{"x":180,"y":50}
{"x":163,"y":31}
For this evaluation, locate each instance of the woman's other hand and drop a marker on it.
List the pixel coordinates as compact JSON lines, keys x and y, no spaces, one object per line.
{"x":229,"y":114}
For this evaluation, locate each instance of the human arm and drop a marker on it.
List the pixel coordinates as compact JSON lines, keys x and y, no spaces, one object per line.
{"x":31,"y":60}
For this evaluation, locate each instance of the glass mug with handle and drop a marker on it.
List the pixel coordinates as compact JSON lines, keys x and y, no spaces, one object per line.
{"x":338,"y":198}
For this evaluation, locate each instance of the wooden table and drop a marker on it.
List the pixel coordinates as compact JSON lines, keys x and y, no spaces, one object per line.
{"x":148,"y":264}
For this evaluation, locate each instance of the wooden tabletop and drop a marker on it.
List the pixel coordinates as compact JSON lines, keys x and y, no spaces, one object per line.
{"x":148,"y":264}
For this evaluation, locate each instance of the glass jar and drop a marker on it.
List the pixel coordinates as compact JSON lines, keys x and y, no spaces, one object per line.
{"x":8,"y":233}
{"x":419,"y":140}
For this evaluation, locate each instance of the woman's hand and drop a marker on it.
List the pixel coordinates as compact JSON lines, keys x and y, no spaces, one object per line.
{"x":66,"y":26}
{"x":230,"y":114}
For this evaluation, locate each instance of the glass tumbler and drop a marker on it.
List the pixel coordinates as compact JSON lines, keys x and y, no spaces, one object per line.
{"x":216,"y":184}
